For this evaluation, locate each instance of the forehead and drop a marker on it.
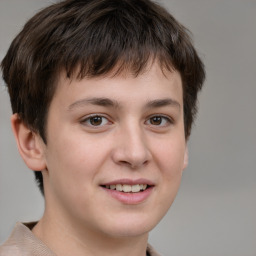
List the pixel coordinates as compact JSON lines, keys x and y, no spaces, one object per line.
{"x":153,"y":81}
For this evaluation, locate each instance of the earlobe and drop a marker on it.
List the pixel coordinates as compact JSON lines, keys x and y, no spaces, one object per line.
{"x":29,"y":144}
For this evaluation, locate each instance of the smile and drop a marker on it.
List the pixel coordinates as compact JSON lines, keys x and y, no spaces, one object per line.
{"x":130,"y":191}
{"x":128,"y":188}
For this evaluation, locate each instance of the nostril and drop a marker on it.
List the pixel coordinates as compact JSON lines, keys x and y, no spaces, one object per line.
{"x":139,"y":164}
{"x":133,"y":165}
{"x":124,"y":162}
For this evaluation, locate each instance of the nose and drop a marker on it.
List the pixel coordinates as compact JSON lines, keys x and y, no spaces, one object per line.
{"x":131,"y":148}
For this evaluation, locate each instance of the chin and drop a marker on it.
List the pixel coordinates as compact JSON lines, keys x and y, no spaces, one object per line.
{"x":129,"y":232}
{"x":131,"y":226}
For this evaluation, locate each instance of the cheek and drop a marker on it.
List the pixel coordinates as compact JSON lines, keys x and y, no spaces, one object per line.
{"x":172,"y":165}
{"x":170,"y":158}
{"x":71,"y":171}
{"x":170,"y":161}
{"x":73,"y":162}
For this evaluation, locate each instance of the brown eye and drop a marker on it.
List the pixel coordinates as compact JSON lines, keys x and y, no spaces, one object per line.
{"x":95,"y":120}
{"x":160,"y":121}
{"x":156,"y":120}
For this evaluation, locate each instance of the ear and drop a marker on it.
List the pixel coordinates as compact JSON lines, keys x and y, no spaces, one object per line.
{"x":30,"y":144}
{"x":185,"y":164}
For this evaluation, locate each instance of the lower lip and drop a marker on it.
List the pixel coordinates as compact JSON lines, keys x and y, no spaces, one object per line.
{"x":130,"y":198}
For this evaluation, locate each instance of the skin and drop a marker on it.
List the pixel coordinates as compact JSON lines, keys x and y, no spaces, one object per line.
{"x":138,"y":134}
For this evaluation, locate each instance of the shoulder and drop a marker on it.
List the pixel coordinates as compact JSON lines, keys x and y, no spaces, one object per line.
{"x":22,"y":242}
{"x":15,"y":245}
{"x":10,"y":248}
{"x":9,"y":251}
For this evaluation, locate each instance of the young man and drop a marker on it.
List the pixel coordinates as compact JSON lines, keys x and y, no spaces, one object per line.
{"x":104,"y":94}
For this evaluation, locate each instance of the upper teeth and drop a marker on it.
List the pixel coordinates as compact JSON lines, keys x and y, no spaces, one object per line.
{"x":128,"y":188}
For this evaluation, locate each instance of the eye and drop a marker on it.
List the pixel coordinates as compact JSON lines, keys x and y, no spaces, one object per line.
{"x":95,"y":120}
{"x":159,"y":120}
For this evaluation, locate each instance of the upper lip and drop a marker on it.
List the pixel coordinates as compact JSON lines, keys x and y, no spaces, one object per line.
{"x":129,"y":182}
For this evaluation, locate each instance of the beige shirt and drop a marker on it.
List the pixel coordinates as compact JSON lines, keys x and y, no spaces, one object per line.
{"x":23,"y":242}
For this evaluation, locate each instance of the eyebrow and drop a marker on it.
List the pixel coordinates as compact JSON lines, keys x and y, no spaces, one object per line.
{"x":162,"y":103}
{"x":106,"y":102}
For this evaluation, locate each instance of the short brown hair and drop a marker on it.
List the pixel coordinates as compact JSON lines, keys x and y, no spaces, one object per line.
{"x":96,"y":37}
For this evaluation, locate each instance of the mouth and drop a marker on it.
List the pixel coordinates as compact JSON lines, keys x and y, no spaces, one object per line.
{"x":127,"y":188}
{"x":128,"y":191}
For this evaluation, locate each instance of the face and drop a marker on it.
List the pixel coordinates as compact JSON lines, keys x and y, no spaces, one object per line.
{"x":115,"y":151}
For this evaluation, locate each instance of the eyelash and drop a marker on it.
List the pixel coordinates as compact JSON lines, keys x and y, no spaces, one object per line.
{"x":88,"y":121}
{"x":162,"y":118}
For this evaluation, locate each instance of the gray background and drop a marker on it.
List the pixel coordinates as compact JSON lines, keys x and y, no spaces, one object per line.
{"x":214,"y":212}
